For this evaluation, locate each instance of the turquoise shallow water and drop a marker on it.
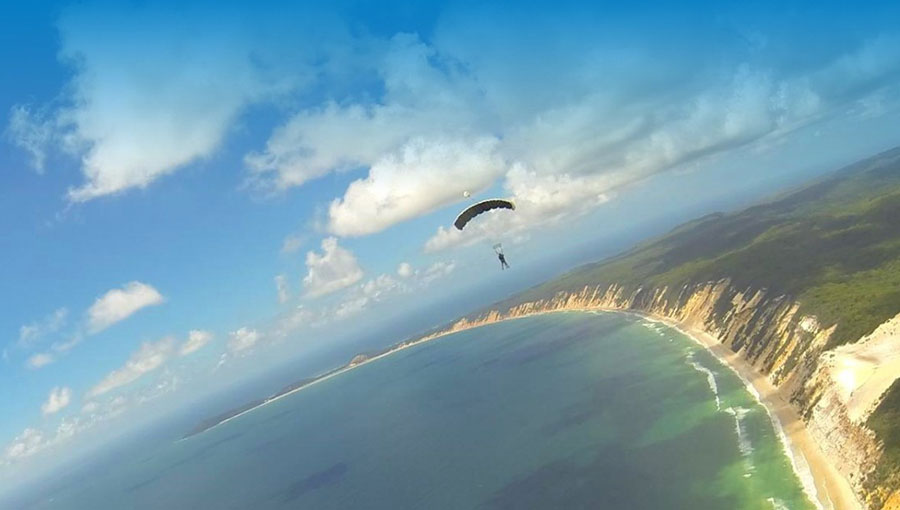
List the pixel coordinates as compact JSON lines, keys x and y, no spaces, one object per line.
{"x":569,"y":410}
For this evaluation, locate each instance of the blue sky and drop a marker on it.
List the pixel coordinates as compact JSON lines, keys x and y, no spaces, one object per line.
{"x":191,"y":193}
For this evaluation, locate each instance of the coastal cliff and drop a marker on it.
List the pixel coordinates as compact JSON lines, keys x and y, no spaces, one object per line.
{"x":804,"y":291}
{"x":805,"y":288}
{"x":770,"y":333}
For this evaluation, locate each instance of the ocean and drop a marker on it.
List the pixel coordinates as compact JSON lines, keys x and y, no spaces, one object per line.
{"x":565,"y":410}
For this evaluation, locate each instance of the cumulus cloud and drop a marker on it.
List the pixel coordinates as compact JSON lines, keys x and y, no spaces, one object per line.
{"x":149,"y":357}
{"x":173,"y":116}
{"x":281,"y":287}
{"x":119,"y":304}
{"x":424,"y":94}
{"x":197,"y":338}
{"x":58,"y":399}
{"x":601,"y":99}
{"x":334,"y":269}
{"x":421,"y":177}
{"x":540,"y":200}
{"x":561,"y":137}
{"x":39,"y":360}
{"x":140,"y":104}
{"x":404,"y":270}
{"x":243,"y":339}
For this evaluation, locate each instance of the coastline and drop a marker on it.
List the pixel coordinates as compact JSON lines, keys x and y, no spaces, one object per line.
{"x":825,"y":486}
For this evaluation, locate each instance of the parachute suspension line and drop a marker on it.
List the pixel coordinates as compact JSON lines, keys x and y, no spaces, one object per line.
{"x":491,"y":229}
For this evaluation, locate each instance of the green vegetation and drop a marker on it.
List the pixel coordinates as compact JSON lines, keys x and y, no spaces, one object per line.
{"x":833,"y":246}
{"x":884,"y":422}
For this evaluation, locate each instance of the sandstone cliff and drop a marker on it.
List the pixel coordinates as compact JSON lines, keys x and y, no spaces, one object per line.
{"x":805,"y":287}
{"x":782,"y":343}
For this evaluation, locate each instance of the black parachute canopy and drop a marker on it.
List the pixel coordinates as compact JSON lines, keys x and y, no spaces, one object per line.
{"x":483,"y":206}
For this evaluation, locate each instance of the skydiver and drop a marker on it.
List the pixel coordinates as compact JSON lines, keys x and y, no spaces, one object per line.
{"x":503,"y":264}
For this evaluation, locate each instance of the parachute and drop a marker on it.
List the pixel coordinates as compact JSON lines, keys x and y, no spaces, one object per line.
{"x":483,"y":206}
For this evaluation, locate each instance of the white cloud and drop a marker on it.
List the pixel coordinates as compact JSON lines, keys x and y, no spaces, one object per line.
{"x":32,"y":133}
{"x":292,"y":243}
{"x":151,"y":94}
{"x":296,"y":319}
{"x":27,"y":443}
{"x":562,"y":144}
{"x":541,"y":200}
{"x":67,"y":345}
{"x":424,"y":95}
{"x":67,"y":428}
{"x":437,"y":271}
{"x":421,"y":177}
{"x":58,"y":399}
{"x":380,"y":286}
{"x":32,"y":440}
{"x":334,"y":269}
{"x":243,"y":339}
{"x":351,"y":306}
{"x":360,"y":297}
{"x":148,"y":358}
{"x":119,"y":304}
{"x":281,"y":287}
{"x":39,"y":360}
{"x":404,"y":270}
{"x":197,"y":338}
{"x":30,"y":334}
{"x":142,"y":110}
{"x":385,"y":287}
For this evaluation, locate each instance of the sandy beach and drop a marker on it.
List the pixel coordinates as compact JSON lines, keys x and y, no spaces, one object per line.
{"x":828,"y":487}
{"x":825,"y":485}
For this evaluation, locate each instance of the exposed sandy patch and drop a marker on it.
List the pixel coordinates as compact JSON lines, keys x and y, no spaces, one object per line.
{"x":866,"y":369}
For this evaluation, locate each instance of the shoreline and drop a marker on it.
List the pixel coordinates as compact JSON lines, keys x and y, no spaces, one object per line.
{"x":825,"y":486}
{"x":322,"y":378}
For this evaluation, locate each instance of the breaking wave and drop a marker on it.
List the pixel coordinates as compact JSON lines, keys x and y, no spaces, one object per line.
{"x":778,"y":504}
{"x":743,"y":440}
{"x":710,"y":378}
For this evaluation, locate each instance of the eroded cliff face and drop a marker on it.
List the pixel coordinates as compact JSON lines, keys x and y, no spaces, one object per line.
{"x":776,"y":338}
